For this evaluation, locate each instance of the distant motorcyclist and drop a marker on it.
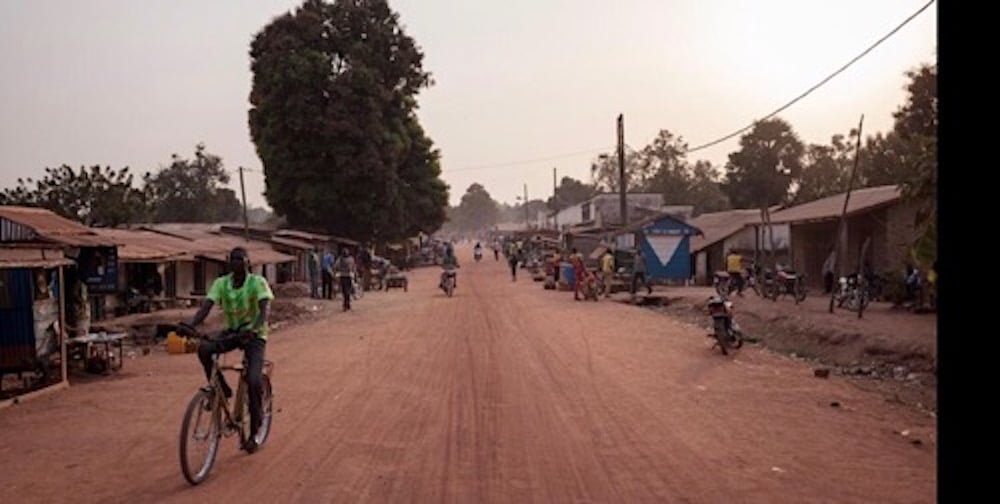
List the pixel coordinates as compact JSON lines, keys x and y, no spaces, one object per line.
{"x":449,"y":262}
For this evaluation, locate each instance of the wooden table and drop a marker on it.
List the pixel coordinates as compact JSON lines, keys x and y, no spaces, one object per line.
{"x":108,"y":347}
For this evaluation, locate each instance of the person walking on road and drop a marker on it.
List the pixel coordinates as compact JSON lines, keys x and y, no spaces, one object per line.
{"x":364,"y":266}
{"x":828,"y":265}
{"x":556,"y":263}
{"x":734,"y":266}
{"x":346,"y":271}
{"x":512,"y":253}
{"x":580,"y":273}
{"x":607,"y":271}
{"x":313,"y":270}
{"x":639,"y":271}
{"x":327,"y":266}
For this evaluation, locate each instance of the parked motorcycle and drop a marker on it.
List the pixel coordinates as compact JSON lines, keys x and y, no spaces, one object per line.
{"x":785,"y":282}
{"x":725,"y":285}
{"x":727,"y":332}
{"x":851,"y":294}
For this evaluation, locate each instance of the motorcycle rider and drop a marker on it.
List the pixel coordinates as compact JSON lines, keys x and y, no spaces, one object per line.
{"x":734,"y":266}
{"x":449,"y":262}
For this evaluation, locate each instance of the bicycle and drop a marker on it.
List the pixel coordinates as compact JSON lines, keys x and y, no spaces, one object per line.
{"x":208,"y":417}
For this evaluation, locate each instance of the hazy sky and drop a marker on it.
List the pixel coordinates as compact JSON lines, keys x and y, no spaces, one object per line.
{"x":128,"y":82}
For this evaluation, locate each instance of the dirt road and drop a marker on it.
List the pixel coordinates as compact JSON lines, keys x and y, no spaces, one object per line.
{"x":504,"y":393}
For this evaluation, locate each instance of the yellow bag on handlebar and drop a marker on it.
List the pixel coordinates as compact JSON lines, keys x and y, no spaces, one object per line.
{"x":177,"y":344}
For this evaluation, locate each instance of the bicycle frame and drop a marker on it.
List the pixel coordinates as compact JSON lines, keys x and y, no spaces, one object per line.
{"x":233,"y":417}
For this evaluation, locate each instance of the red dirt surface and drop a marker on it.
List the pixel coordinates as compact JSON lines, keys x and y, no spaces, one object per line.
{"x":504,"y":393}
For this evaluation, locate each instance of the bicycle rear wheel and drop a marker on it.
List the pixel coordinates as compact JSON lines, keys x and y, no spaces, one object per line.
{"x":266,"y":413}
{"x":267,"y":409}
{"x":199,"y":443}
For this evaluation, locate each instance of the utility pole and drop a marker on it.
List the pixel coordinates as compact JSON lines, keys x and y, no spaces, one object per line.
{"x":526,"y":224}
{"x":246,"y":222}
{"x":555,"y":199}
{"x":840,"y":247}
{"x":621,"y":169}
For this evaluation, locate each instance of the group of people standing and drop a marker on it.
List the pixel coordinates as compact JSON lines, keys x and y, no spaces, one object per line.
{"x":606,"y":269}
{"x":325,"y":267}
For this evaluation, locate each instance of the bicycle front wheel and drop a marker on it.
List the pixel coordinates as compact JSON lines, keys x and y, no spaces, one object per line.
{"x":199,"y":443}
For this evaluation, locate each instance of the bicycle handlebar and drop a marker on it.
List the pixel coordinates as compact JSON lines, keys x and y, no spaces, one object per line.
{"x":185,"y":329}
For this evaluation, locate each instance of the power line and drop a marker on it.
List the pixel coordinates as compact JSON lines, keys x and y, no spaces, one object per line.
{"x":527,"y":161}
{"x":731,"y":135}
{"x":817,"y":86}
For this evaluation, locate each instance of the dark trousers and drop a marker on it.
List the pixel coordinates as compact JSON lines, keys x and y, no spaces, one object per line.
{"x":828,"y":282}
{"x":346,"y":286}
{"x":513,"y":269}
{"x":645,"y":281}
{"x":253,"y":353}
{"x":314,"y":285}
{"x":736,"y":281}
{"x":327,"y":285}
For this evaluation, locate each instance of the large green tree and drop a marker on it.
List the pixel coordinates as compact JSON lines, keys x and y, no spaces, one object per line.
{"x":827,"y":169}
{"x":705,"y":190}
{"x":517,"y":212}
{"x":333,"y":119}
{"x":192,"y":190}
{"x":666,"y":170}
{"x":605,"y":171}
{"x":569,"y":192}
{"x":95,"y":196}
{"x":916,"y":125}
{"x":476,"y":211}
{"x":761,"y":173}
{"x":423,"y":196}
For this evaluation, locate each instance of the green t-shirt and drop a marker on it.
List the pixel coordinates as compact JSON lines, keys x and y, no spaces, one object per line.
{"x":241,"y":306}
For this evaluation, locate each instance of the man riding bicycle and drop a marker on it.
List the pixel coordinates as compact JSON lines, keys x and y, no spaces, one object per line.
{"x":245,"y":300}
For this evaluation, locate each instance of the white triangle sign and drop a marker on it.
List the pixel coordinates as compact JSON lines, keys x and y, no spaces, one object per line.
{"x":664,"y":246}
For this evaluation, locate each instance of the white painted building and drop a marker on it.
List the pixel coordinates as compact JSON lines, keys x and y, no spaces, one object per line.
{"x":602,"y":210}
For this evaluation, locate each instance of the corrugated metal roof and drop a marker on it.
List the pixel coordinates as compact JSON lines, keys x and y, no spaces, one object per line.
{"x":216,"y":246}
{"x":52,"y":227}
{"x":80,"y":240}
{"x":136,"y":245}
{"x":291,"y":242}
{"x":720,"y":225}
{"x":41,"y":220}
{"x":832,"y":206}
{"x":294,"y":233}
{"x":35,"y":263}
{"x":305,"y":235}
{"x":257,"y":256}
{"x":189,"y":232}
{"x":23,"y":257}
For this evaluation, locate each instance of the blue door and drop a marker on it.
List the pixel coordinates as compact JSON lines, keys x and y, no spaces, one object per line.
{"x":17,"y":320}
